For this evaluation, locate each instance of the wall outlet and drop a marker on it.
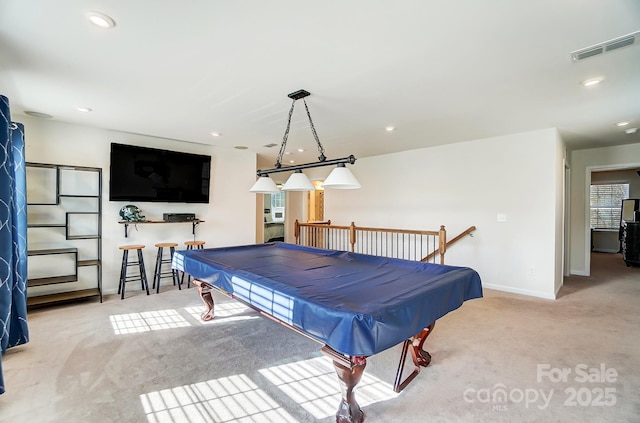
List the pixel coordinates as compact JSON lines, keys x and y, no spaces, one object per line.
{"x":502,"y":217}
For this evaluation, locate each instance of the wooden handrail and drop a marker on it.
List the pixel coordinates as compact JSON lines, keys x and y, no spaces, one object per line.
{"x":453,"y":241}
{"x":397,"y":231}
{"x":352,"y":234}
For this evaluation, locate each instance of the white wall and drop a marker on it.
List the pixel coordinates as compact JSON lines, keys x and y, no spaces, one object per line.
{"x":583,"y":162}
{"x":469,"y":184}
{"x":560,"y":211}
{"x":230,"y":216}
{"x":456,"y":185}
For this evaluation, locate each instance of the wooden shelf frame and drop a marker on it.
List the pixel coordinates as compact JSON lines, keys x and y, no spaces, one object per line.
{"x":51,"y":280}
{"x":60,"y":297}
{"x":66,"y":293}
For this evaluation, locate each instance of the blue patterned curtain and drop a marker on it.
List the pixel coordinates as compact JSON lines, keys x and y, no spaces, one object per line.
{"x":13,"y":234}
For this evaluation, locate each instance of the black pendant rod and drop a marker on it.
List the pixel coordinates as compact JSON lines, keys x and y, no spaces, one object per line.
{"x":350,"y":160}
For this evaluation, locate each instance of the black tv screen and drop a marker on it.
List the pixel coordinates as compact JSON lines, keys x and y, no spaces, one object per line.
{"x":150,"y":174}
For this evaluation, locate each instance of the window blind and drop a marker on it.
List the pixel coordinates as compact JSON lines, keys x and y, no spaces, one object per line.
{"x":606,"y":204}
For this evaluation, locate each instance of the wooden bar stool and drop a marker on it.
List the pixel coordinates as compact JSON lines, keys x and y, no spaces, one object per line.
{"x":141,"y":275}
{"x":159,"y":273}
{"x":190,"y":246}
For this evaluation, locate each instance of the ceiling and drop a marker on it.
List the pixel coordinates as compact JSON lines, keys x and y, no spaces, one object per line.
{"x":438,"y":71}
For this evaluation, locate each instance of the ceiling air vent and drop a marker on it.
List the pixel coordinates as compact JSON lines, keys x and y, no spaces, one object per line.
{"x":620,"y":42}
{"x":583,"y":54}
{"x":606,"y":47}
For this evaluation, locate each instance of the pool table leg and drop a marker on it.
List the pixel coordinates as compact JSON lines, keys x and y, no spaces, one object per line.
{"x":204,"y":289}
{"x":420,"y":357}
{"x":349,"y":372}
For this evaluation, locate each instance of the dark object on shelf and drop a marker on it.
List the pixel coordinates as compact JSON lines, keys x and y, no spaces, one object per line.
{"x":150,"y":174}
{"x":178,"y":217}
{"x":131,"y":213}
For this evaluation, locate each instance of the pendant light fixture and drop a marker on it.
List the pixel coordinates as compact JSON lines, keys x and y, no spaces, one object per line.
{"x":265,"y":185}
{"x":340,"y":178}
{"x":298,"y":181}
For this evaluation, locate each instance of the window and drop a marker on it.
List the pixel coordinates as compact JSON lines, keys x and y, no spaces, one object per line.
{"x":606,"y":202}
{"x":277,"y":206}
{"x":277,"y":200}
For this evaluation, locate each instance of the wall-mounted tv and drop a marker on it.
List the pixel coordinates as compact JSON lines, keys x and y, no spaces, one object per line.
{"x":150,"y":174}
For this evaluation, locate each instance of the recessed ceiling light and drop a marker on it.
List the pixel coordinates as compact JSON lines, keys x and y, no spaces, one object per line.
{"x":216,"y":134}
{"x":292,"y":161}
{"x":389,"y":128}
{"x":240,"y":147}
{"x":84,"y":109}
{"x":591,"y":82}
{"x":631,"y":131}
{"x":287,"y":153}
{"x":38,"y":114}
{"x":300,"y":150}
{"x":623,"y":123}
{"x":101,"y":20}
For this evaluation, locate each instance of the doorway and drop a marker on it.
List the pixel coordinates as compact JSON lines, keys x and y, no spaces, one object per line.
{"x":315,"y":203}
{"x":608,"y":240}
{"x":274,"y":217}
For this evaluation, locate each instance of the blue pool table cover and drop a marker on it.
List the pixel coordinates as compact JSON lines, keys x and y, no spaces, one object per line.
{"x":357,"y":304}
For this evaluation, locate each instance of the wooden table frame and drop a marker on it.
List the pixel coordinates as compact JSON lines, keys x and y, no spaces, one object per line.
{"x":348,"y":368}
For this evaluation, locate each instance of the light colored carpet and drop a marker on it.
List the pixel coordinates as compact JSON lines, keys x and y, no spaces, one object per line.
{"x":150,"y":359}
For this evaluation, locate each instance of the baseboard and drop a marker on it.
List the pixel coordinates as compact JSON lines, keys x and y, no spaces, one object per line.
{"x":604,"y":250}
{"x":579,"y":273}
{"x":526,"y":292}
{"x":558,"y":289}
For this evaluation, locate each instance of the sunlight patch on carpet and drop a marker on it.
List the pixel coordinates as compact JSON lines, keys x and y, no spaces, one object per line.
{"x":313,"y":384}
{"x":224,"y":312}
{"x":147,"y":321}
{"x":232,"y":399}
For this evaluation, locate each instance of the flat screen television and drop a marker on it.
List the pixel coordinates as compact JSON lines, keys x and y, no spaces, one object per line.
{"x":149,"y":174}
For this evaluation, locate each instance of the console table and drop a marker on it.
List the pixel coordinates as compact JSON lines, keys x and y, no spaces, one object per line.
{"x":194,"y":223}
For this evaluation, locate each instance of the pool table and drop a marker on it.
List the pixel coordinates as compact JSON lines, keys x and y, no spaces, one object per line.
{"x":355,"y":305}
